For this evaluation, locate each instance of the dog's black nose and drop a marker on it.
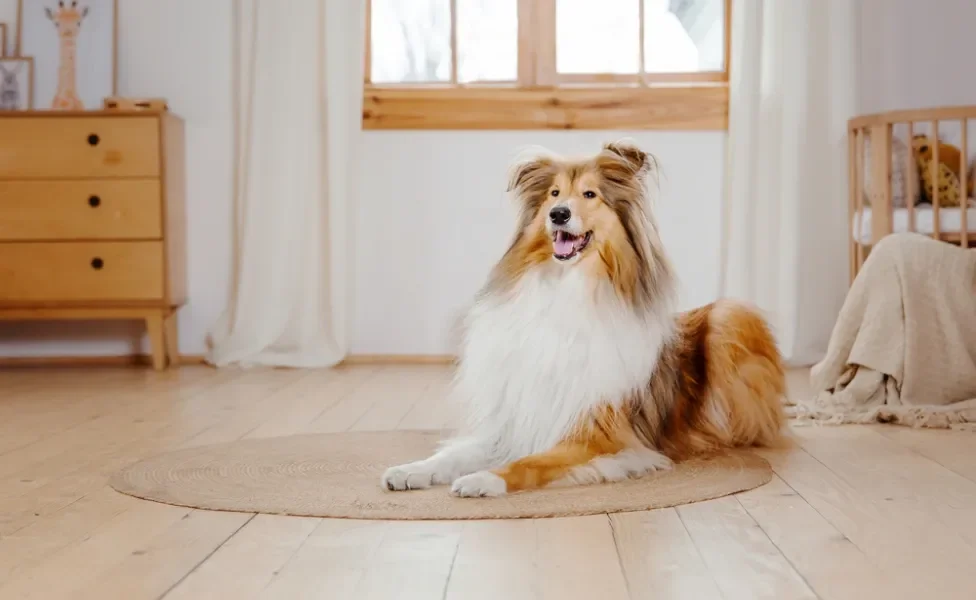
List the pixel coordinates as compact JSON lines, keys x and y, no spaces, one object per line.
{"x":560,"y":215}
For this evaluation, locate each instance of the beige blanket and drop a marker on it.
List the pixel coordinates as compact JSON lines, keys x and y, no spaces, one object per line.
{"x":903,"y":349}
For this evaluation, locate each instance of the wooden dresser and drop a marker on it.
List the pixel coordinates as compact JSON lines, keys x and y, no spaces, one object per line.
{"x":92,"y":221}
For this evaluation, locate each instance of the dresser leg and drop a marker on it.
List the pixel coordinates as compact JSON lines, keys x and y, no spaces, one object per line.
{"x":157,"y":340}
{"x":171,"y":335}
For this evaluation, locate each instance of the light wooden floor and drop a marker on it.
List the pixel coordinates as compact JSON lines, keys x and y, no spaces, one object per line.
{"x":853,"y":513}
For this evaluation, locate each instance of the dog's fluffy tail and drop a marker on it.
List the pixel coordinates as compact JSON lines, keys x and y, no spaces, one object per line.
{"x":719,"y":384}
{"x":747,"y":381}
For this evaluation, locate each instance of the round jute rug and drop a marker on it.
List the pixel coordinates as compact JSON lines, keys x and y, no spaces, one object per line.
{"x":338,"y":475}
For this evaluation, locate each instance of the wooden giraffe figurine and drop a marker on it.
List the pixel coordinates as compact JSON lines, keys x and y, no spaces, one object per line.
{"x":67,"y":20}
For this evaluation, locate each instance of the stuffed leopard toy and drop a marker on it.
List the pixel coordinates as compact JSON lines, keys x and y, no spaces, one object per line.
{"x":947,"y":174}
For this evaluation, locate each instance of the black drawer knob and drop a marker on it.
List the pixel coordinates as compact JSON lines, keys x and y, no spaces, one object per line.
{"x":97,"y":263}
{"x":94,"y":201}
{"x":93,"y":139}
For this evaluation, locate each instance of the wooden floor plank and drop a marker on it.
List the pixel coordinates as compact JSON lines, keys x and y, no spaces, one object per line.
{"x":918,"y":556}
{"x":33,"y":466}
{"x":248,"y":562}
{"x":745,"y":564}
{"x":83,"y":472}
{"x":332,"y":563}
{"x":132,"y":411}
{"x":71,"y":568}
{"x":67,"y":404}
{"x":28,"y":546}
{"x":434,"y":410}
{"x":393,"y":404}
{"x":832,"y":565}
{"x":149,"y":570}
{"x":954,"y":450}
{"x":659,"y":558}
{"x":320,"y":391}
{"x":924,"y":494}
{"x":413,"y":560}
{"x":541,"y":559}
{"x":577,"y":558}
{"x":496,"y":559}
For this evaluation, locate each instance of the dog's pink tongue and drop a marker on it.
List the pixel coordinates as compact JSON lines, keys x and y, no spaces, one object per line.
{"x":563,"y":244}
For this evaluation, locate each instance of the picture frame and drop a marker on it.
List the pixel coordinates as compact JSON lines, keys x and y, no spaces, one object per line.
{"x":74,"y":44}
{"x":16,"y":83}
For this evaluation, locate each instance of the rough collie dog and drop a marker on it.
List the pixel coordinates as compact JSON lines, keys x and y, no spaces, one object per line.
{"x":574,"y":367}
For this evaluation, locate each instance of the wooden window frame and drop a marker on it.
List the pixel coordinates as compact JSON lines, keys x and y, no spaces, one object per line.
{"x":541,"y":98}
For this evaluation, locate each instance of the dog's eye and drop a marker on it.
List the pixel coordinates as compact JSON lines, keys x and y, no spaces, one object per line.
{"x":589,"y":194}
{"x":554,"y":193}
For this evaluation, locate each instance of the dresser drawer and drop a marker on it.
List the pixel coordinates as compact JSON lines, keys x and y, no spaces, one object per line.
{"x":79,"y":271}
{"x":72,"y":147}
{"x":80,"y":210}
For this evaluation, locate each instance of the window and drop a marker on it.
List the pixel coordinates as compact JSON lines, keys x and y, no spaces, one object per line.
{"x":546,"y":64}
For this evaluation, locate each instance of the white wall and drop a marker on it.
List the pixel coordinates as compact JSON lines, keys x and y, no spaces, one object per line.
{"x":193,"y":73}
{"x":916,"y":54}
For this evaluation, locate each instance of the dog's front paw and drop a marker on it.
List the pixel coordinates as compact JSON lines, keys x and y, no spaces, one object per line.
{"x":411,"y":476}
{"x":480,"y":484}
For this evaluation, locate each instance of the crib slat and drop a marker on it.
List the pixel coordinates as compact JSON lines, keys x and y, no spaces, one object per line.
{"x":851,"y":199}
{"x":909,"y":180}
{"x":854,"y":230}
{"x":936,"y":222}
{"x":881,"y":214}
{"x":963,"y":187}
{"x":859,"y":194}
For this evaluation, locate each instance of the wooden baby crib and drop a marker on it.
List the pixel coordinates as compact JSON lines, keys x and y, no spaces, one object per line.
{"x":911,"y":171}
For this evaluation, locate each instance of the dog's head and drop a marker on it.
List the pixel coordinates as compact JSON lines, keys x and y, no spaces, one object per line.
{"x":592,"y":214}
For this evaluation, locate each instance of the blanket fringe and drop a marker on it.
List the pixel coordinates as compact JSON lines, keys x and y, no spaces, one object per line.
{"x":919,"y":417}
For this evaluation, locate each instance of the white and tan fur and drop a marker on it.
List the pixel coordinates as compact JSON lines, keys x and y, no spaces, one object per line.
{"x":574,"y":367}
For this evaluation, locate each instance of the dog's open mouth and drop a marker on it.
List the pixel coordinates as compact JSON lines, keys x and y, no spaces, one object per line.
{"x":565,"y":245}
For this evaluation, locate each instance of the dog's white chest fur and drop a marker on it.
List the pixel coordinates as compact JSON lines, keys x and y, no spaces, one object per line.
{"x":534,"y":363}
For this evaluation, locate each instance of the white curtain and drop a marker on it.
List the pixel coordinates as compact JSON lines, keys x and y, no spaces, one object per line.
{"x":793,"y":85}
{"x":297,"y":102}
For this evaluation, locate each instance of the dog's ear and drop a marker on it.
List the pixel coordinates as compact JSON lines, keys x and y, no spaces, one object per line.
{"x":639,"y":161}
{"x":520,"y":173}
{"x":530,"y":176}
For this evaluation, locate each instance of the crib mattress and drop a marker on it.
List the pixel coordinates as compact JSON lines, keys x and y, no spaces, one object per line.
{"x":950,"y":221}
